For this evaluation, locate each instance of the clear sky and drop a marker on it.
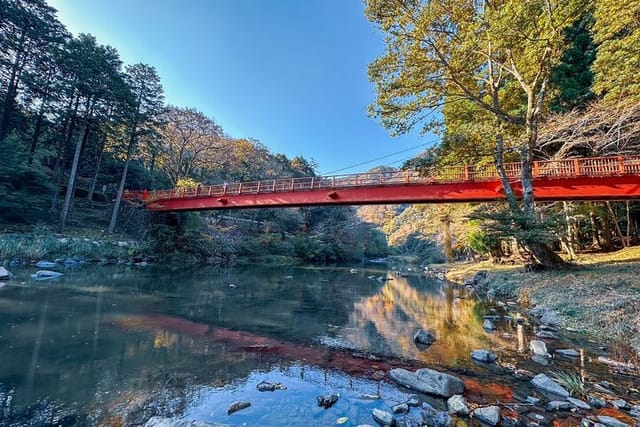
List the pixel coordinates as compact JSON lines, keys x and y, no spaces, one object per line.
{"x":289,"y":73}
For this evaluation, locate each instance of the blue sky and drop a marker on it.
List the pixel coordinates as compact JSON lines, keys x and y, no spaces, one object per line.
{"x":289,"y":73}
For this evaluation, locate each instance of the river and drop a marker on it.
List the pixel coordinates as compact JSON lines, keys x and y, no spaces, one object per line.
{"x":117,"y":345}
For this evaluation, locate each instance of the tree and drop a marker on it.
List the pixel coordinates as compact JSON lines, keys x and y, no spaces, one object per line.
{"x":147,"y":104}
{"x":617,"y":35}
{"x":573,"y":77}
{"x":27,"y":28}
{"x":190,"y":139}
{"x":96,"y":79}
{"x":488,"y":53}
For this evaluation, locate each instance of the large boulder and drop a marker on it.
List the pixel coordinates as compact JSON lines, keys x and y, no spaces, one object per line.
{"x":545,"y":383}
{"x":428,"y":381}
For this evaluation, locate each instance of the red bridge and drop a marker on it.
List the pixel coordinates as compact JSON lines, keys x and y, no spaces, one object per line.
{"x":594,"y":178}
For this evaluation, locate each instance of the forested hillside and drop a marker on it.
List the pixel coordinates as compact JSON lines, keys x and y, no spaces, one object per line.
{"x":512,"y":81}
{"x":78,"y":127}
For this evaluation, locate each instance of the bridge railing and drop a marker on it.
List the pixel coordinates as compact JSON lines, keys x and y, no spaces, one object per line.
{"x":547,"y":169}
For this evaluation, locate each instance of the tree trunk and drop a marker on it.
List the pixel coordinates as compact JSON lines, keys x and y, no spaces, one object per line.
{"x":504,"y":179}
{"x":614,"y":218}
{"x":12,"y":88}
{"x":72,"y":178}
{"x":607,"y":244}
{"x":595,"y":240}
{"x":570,"y":244}
{"x":628,"y":223}
{"x":445,"y":221}
{"x":544,"y":256}
{"x":94,"y":180}
{"x":36,"y":134}
{"x":123,"y":180}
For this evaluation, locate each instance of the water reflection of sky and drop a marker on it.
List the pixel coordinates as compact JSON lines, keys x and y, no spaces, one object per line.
{"x":127,"y":345}
{"x":297,"y":404}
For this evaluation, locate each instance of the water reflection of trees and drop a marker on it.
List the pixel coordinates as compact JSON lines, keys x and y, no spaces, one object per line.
{"x":390,"y":318}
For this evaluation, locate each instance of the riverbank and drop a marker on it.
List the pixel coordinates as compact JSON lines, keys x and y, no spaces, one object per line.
{"x":598,"y":296}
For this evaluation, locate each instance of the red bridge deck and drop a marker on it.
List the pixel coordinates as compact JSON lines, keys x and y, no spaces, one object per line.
{"x":596,"y":178}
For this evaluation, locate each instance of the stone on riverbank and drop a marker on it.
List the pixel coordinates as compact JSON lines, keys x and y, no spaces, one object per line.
{"x":489,"y":415}
{"x":424,"y":337}
{"x":568,"y":352}
{"x":538,"y":348}
{"x":581,"y":404}
{"x":457,"y":405}
{"x":545,"y":383}
{"x":484,"y":356}
{"x":611,"y":422}
{"x":546,"y":335}
{"x":428,"y":381}
{"x":382,"y":417}
{"x":559,"y":405}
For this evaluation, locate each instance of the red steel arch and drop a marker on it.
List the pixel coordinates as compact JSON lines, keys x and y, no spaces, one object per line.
{"x":595,"y":178}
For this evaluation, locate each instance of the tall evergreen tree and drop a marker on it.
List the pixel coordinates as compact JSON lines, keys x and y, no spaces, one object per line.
{"x":147,"y":104}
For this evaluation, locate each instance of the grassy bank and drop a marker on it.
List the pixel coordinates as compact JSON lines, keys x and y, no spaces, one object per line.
{"x":599,"y":296}
{"x":42,"y":244}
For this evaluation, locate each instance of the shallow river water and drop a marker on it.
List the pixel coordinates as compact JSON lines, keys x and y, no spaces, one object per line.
{"x":116,"y":346}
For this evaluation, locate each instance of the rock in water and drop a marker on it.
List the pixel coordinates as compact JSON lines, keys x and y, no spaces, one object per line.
{"x":45,"y":275}
{"x":4,"y":274}
{"x":45,"y":264}
{"x":424,"y":337}
{"x":428,"y":381}
{"x":328,"y":400}
{"x":484,"y":356}
{"x":383,"y":418}
{"x":176,"y":422}
{"x":488,"y":414}
{"x":238,"y":406}
{"x":266,"y":386}
{"x":545,"y":383}
{"x":400,"y":408}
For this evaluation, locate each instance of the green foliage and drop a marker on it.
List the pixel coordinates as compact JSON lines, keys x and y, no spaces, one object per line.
{"x":571,"y":381}
{"x":25,"y":190}
{"x":480,"y":242}
{"x":617,"y":35}
{"x":41,"y":243}
{"x":573,"y":76}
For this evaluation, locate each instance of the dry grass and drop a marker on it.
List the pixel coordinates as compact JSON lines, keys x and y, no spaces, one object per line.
{"x":599,"y":296}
